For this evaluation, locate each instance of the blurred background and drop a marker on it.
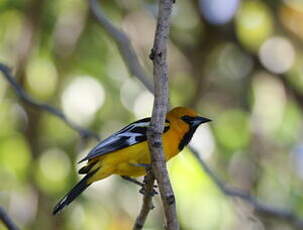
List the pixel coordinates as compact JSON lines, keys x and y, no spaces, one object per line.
{"x":236,"y":62}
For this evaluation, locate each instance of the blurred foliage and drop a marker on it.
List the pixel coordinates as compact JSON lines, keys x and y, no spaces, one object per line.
{"x":239,"y":63}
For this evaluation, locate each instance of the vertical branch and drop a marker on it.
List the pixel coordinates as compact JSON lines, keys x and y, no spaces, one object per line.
{"x":6,"y":220}
{"x":154,"y":134}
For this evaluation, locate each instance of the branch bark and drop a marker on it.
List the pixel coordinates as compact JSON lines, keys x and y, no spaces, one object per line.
{"x":7,"y":221}
{"x":154,"y":134}
{"x":147,"y":205}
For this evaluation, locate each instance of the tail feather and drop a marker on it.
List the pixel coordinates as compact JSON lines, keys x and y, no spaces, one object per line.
{"x":85,"y":169}
{"x":75,"y":191}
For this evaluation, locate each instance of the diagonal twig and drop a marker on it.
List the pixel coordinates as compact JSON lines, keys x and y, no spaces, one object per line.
{"x":85,"y":133}
{"x":6,"y":220}
{"x":126,"y":49}
{"x":260,"y":208}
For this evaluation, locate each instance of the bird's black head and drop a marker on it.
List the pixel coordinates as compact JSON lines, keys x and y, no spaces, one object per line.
{"x":193,"y":122}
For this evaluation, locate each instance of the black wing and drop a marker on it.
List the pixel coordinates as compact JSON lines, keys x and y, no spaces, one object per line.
{"x":132,"y":134}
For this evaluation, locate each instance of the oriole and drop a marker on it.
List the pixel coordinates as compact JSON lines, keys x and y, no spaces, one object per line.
{"x":126,"y":152}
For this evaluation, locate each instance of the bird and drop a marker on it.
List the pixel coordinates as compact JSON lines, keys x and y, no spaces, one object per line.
{"x":126,"y":152}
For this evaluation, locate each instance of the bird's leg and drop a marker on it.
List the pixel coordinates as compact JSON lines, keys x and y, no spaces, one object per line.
{"x":142,"y":190}
{"x":132,"y":180}
{"x":147,"y":168}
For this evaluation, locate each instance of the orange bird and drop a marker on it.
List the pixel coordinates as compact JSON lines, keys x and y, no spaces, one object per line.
{"x":126,"y":152}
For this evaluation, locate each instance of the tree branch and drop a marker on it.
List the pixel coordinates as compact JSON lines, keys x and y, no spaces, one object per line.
{"x":147,"y":201}
{"x":261,"y":209}
{"x":6,"y":220}
{"x":154,"y":134}
{"x":123,"y":43}
{"x":85,"y":133}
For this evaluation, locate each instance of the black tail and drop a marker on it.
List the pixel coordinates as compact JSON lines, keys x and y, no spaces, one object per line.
{"x":76,"y":191}
{"x":87,"y":168}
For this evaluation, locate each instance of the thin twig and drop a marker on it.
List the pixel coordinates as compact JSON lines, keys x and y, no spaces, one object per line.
{"x":147,"y":201}
{"x":154,"y":134}
{"x":85,"y":133}
{"x":6,"y":220}
{"x":126,"y":49}
{"x":260,"y":208}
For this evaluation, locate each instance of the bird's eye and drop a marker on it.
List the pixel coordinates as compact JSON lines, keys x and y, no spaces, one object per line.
{"x":187,"y":119}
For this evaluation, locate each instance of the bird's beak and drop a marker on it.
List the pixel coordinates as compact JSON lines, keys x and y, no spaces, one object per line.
{"x":200,"y":120}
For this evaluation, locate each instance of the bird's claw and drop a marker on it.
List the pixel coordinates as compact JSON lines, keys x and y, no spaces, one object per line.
{"x":144,"y":192}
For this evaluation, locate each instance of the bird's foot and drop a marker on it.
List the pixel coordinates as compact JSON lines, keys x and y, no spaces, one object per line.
{"x":144,"y":192}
